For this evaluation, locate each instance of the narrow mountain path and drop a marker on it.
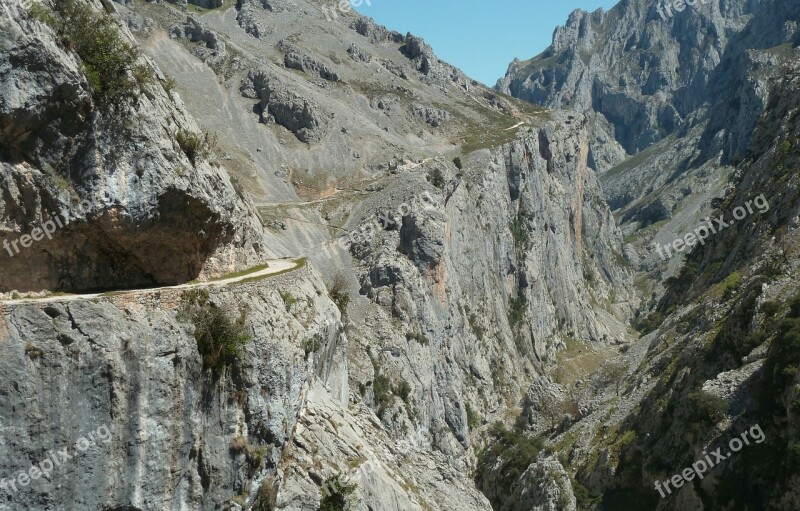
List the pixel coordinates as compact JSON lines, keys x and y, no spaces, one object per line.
{"x":273,"y":267}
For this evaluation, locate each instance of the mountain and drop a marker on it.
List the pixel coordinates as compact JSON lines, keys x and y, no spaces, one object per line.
{"x":692,"y":124}
{"x":271,"y":255}
{"x":323,"y":265}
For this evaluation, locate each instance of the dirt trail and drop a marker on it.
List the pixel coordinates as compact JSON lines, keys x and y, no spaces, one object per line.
{"x":275,"y":266}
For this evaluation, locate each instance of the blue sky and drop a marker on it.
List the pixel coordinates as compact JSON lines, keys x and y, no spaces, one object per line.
{"x":480,"y":37}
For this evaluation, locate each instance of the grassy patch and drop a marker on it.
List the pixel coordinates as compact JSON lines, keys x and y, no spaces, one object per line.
{"x":300,"y":263}
{"x":576,"y":362}
{"x":420,"y":338}
{"x":244,"y":273}
{"x":196,"y":146}
{"x":288,"y":299}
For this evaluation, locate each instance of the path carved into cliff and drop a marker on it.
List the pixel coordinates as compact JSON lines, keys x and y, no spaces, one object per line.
{"x":273,"y":267}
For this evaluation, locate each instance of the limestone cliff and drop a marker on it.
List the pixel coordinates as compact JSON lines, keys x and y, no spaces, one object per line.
{"x":457,"y":242}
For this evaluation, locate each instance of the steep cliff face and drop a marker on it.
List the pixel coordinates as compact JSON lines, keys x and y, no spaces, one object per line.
{"x":644,"y":77}
{"x":724,"y":361}
{"x":121,"y":202}
{"x":718,"y":359}
{"x":680,"y":93}
{"x":495,"y":277}
{"x":473,"y":286}
{"x":176,"y":437}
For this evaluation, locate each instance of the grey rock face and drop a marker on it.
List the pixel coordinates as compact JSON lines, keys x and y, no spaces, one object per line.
{"x":681,"y":94}
{"x":249,"y":21}
{"x":305,"y":63}
{"x":505,"y":237}
{"x":131,"y":364}
{"x":210,"y":48}
{"x":117,"y":180}
{"x":358,"y":54}
{"x":423,"y":58}
{"x":284,"y":107}
{"x":433,"y":116}
{"x":390,"y":475}
{"x":544,"y":486}
{"x":376,"y":33}
{"x":588,"y":69}
{"x":723,"y":97}
{"x":394,"y":68}
{"x":194,"y":31}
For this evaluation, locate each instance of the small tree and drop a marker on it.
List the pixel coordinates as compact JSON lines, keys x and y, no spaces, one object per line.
{"x":436,"y":177}
{"x":613,"y":373}
{"x":705,"y":409}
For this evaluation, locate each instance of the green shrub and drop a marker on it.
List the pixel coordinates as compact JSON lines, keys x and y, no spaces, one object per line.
{"x":705,"y":409}
{"x":265,"y":496}
{"x":613,"y":373}
{"x":342,"y":301}
{"x":473,"y":419}
{"x":733,"y":282}
{"x":457,"y":163}
{"x":196,"y":146}
{"x":519,"y":231}
{"x":516,"y":310}
{"x":170,"y":84}
{"x":311,"y":345}
{"x":403,"y":389}
{"x":382,"y":390}
{"x":420,"y":338}
{"x":335,"y":494}
{"x":338,"y":293}
{"x":650,"y":323}
{"x":474,"y":324}
{"x":109,"y":63}
{"x":770,"y":308}
{"x":783,"y":360}
{"x":436,"y":177}
{"x":583,"y":498}
{"x":288,"y":299}
{"x":785,"y":148}
{"x":220,"y":336}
